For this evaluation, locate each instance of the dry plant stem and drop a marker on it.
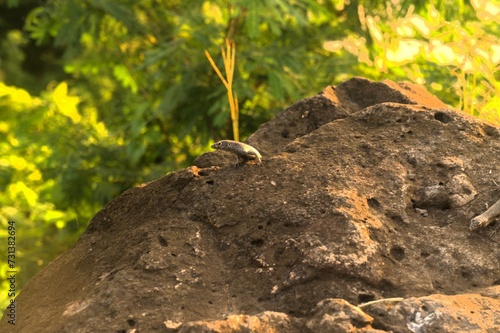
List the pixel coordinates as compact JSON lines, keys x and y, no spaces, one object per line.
{"x":229,"y":59}
{"x":394,"y":299}
{"x":485,"y":218}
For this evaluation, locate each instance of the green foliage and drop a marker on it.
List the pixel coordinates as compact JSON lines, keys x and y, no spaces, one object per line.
{"x":428,"y":49}
{"x":137,"y":97}
{"x":46,"y":144}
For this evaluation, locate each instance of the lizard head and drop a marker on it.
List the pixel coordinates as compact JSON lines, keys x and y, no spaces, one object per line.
{"x":219,"y":145}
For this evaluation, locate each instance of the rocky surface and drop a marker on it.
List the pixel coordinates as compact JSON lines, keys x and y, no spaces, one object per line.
{"x":365,"y":193}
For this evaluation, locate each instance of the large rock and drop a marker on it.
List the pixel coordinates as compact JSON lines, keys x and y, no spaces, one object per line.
{"x":472,"y":313}
{"x":365,"y":193}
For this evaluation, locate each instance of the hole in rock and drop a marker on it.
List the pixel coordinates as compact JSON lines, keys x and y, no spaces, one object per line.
{"x":373,"y":203}
{"x":424,"y":254}
{"x":365,"y":297}
{"x":491,"y":131}
{"x":131,"y":322}
{"x":257,"y":242}
{"x":210,"y":182}
{"x":466,"y":274}
{"x":398,"y":219}
{"x":443,"y":117}
{"x":162,"y":240}
{"x":397,"y":252}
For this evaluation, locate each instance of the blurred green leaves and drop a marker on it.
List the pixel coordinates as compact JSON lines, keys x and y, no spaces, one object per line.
{"x":40,"y":138}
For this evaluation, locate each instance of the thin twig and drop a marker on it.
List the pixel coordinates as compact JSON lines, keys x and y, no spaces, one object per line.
{"x":394,"y":299}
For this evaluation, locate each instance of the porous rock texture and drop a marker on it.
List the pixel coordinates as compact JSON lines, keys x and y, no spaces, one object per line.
{"x":365,"y":193}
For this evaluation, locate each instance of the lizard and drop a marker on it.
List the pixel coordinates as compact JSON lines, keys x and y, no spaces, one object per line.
{"x":485,"y":218}
{"x":243,"y":151}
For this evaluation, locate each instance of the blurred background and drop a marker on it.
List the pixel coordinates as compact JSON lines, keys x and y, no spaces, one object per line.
{"x":97,"y":96}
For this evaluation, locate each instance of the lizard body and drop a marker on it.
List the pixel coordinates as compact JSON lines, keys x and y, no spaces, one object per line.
{"x":243,"y":151}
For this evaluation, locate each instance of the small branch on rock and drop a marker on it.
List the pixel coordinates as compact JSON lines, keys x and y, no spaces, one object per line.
{"x":394,"y":299}
{"x":485,"y":218}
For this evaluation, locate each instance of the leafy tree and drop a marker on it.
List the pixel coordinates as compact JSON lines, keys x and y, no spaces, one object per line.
{"x":48,"y":148}
{"x":23,"y":63}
